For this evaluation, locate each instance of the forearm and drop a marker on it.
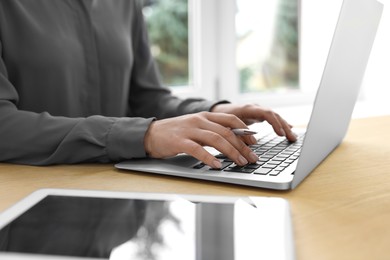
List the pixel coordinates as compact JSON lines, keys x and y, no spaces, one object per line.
{"x":41,"y":139}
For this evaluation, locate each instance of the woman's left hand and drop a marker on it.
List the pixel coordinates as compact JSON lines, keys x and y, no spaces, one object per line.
{"x":252,"y":113}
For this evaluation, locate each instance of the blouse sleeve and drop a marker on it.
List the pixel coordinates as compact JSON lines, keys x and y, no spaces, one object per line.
{"x":41,"y":139}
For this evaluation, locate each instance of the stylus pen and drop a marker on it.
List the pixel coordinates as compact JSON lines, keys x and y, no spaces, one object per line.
{"x":243,"y":131}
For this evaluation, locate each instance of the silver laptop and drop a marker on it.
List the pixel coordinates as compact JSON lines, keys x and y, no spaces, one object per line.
{"x":287,"y":164}
{"x":85,"y":224}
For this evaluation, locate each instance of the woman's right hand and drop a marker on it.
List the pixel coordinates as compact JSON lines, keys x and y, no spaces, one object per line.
{"x":189,"y":133}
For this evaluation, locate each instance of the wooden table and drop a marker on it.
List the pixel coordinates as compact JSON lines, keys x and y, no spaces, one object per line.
{"x":341,"y":211}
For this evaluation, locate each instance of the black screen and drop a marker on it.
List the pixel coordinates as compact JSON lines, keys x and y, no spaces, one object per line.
{"x":144,"y":229}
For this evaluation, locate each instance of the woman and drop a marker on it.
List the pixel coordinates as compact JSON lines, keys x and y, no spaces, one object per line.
{"x":78,"y":84}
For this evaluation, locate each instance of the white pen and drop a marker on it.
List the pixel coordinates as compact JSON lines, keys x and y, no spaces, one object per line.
{"x":243,"y":131}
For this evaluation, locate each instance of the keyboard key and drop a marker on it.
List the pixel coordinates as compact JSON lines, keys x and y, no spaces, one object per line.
{"x":272,"y":162}
{"x":253,"y":166}
{"x":274,"y":173}
{"x":263,"y":159}
{"x":221,"y":156}
{"x":255,"y":146}
{"x":269,"y":166}
{"x":282,"y":156}
{"x":224,"y":165}
{"x":284,"y":164}
{"x":262,"y":171}
{"x":280,"y":168}
{"x":199,"y":166}
{"x":267,"y":156}
{"x":240,"y":169}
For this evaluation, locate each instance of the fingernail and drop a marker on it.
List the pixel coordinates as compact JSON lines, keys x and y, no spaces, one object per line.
{"x":242,"y":160}
{"x":253,"y":157}
{"x":216,"y":164}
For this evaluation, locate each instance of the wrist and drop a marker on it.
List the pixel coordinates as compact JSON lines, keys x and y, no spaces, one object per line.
{"x":216,"y":106}
{"x":148,"y":140}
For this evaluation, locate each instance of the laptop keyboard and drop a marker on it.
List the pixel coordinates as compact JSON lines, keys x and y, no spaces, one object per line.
{"x":275,"y":154}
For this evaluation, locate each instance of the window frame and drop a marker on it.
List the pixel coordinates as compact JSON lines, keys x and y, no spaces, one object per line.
{"x":202,"y":46}
{"x":229,"y":74}
{"x":213,"y":73}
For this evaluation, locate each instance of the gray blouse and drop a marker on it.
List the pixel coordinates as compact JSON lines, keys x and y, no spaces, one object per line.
{"x":78,"y":82}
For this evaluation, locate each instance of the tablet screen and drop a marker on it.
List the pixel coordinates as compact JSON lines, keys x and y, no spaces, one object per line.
{"x":121,"y":228}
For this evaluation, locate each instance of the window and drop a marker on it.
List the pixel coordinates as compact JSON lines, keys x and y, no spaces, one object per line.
{"x":267,"y":50}
{"x":167,"y":22}
{"x":182,"y":36}
{"x":240,"y":50}
{"x":259,"y":58}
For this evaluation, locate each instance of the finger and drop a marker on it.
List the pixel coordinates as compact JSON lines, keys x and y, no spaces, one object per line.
{"x":249,"y":139}
{"x":214,"y":124}
{"x":227,"y":132}
{"x":226,"y":120}
{"x":218,"y":128}
{"x":228,"y":144}
{"x":280,"y":126}
{"x":287,"y":129}
{"x":197,"y":151}
{"x":262,"y":114}
{"x":275,"y":121}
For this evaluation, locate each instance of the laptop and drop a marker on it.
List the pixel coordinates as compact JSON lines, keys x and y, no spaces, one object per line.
{"x":336,"y":97}
{"x":87,"y":224}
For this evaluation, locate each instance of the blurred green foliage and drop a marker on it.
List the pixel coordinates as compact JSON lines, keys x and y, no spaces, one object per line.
{"x":281,"y":69}
{"x":167,"y":22}
{"x":286,"y":41}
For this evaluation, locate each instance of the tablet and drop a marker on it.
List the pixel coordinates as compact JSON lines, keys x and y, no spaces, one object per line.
{"x":86,"y":224}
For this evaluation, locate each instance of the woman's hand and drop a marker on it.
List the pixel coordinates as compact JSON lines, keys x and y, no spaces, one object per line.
{"x":188,"y":134}
{"x":255,"y":113}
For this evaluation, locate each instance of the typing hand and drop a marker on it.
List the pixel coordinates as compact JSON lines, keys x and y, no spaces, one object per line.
{"x":255,"y":113}
{"x":188,"y":134}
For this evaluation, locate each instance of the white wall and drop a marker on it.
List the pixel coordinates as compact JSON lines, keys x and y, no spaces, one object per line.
{"x":376,"y":85}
